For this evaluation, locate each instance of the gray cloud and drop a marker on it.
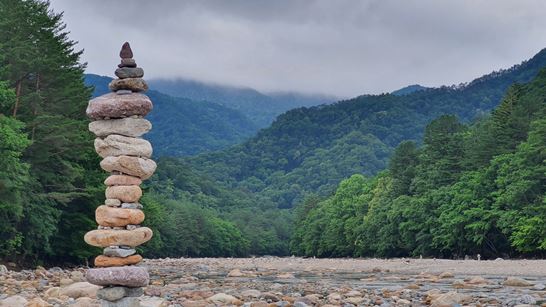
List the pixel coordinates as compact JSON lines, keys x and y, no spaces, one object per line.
{"x":343,"y":47}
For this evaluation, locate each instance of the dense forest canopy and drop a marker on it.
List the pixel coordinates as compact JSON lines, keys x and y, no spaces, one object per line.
{"x":469,"y":189}
{"x":430,"y":171}
{"x":309,"y":150}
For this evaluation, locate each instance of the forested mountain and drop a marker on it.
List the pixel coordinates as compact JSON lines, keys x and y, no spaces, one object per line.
{"x":309,"y":150}
{"x":469,"y":189}
{"x":184,"y":127}
{"x":260,"y":108}
{"x":409,"y":89}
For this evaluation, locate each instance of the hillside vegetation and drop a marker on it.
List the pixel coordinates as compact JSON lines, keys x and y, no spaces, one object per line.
{"x":469,"y":189}
{"x":309,"y":151}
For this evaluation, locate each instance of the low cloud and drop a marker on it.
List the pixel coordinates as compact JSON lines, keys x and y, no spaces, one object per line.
{"x":345,"y":48}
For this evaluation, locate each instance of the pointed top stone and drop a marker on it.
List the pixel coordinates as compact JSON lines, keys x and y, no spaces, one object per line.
{"x":126,"y":52}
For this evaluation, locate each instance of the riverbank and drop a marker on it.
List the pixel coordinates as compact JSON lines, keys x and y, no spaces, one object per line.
{"x":273,"y":281}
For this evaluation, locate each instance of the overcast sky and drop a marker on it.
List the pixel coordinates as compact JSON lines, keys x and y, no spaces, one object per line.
{"x":345,"y":48}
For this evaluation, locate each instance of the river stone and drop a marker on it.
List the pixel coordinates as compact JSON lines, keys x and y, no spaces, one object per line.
{"x":105,"y":238}
{"x":131,"y":84}
{"x":122,"y":180}
{"x":128,"y":276}
{"x":119,"y":145}
{"x":116,"y":293}
{"x":118,"y":217}
{"x":118,"y":106}
{"x":129,"y":126}
{"x":134,"y":166}
{"x":79,"y":289}
{"x":111,"y":202}
{"x":118,"y":252}
{"x":125,"y":193}
{"x":127,"y":63}
{"x":129,"y":72}
{"x":131,"y":206}
{"x":105,"y":261}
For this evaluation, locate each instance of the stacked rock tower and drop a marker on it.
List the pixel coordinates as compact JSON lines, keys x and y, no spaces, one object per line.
{"x":118,"y":123}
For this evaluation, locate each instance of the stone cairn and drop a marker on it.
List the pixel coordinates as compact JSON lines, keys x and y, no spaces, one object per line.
{"x":118,"y":123}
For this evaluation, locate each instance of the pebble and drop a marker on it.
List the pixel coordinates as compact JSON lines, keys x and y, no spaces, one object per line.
{"x":114,"y":251}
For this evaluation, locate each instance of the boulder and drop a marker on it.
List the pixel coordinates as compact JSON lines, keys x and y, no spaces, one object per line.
{"x":125,"y":193}
{"x":134,"y":166}
{"x":222,"y":298}
{"x":116,"y":293}
{"x":13,"y":301}
{"x":117,"y":217}
{"x":80,"y":289}
{"x":119,"y":145}
{"x":105,"y":261}
{"x":129,"y":72}
{"x":153,"y":302}
{"x":124,"y":302}
{"x":113,"y":251}
{"x":516,"y":282}
{"x":38,"y":302}
{"x":129,"y":126}
{"x":131,"y":84}
{"x":118,"y":106}
{"x":105,"y":238}
{"x":450,"y":299}
{"x":128,"y":276}
{"x":85,"y":302}
{"x":122,"y":180}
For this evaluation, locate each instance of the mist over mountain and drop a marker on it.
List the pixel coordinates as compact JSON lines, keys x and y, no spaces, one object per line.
{"x":184,"y":126}
{"x":261,"y":108}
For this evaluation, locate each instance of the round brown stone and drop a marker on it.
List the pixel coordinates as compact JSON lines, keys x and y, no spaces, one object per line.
{"x":105,"y":237}
{"x":122,"y":180}
{"x":131,"y":84}
{"x":125,"y":193}
{"x":118,"y":217}
{"x":118,"y":106}
{"x":134,"y":166}
{"x":105,"y":261}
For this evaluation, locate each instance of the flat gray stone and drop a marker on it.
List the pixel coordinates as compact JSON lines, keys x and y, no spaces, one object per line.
{"x":129,"y":72}
{"x":128,"y":276}
{"x":130,"y":126}
{"x":131,"y":206}
{"x":118,"y":252}
{"x":116,"y":293}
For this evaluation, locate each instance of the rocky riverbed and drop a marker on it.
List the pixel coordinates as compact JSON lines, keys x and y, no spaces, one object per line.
{"x":272,"y":281}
